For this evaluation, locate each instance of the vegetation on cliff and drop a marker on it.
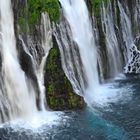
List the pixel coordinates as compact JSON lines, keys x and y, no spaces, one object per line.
{"x":36,"y":7}
{"x":30,"y":12}
{"x":59,"y":92}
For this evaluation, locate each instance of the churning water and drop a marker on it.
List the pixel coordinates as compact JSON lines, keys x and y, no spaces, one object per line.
{"x":116,"y":118}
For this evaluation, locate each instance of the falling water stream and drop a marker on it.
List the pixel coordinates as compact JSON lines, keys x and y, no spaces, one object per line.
{"x":85,"y":41}
{"x":18,"y":95}
{"x":114,"y":53}
{"x":16,"y":90}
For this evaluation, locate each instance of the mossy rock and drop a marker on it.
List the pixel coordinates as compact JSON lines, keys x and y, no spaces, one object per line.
{"x":29,"y":13}
{"x":94,"y":6}
{"x":59,"y":92}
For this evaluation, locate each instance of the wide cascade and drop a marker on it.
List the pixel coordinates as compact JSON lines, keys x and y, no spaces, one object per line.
{"x":38,"y":57}
{"x":14,"y":85}
{"x":82,"y":42}
{"x":79,"y":44}
{"x":18,"y":95}
{"x":132,"y":54}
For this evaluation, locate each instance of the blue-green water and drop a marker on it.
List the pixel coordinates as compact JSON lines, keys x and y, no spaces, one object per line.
{"x":117,"y":119}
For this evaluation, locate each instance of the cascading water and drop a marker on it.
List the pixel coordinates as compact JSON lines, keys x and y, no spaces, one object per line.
{"x":126,"y":31}
{"x":15,"y":90}
{"x":19,"y":97}
{"x":132,"y":54}
{"x":70,"y":57}
{"x":137,"y":17}
{"x":76,"y":41}
{"x":46,"y":45}
{"x":113,"y":51}
{"x":38,"y":65}
{"x":82,"y":35}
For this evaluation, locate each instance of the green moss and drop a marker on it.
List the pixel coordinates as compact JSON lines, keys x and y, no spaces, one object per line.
{"x":52,"y":65}
{"x":50,"y":89}
{"x":95,"y":4}
{"x":36,"y":7}
{"x":53,"y":102}
{"x":22,"y":22}
{"x":31,"y":13}
{"x":73,"y":100}
{"x":60,"y":95}
{"x":52,"y":8}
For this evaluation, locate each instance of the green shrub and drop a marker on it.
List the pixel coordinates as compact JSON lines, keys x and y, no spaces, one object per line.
{"x":31,"y":13}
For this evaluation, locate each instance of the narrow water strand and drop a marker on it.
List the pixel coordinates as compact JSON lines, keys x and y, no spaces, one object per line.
{"x":38,"y":61}
{"x":114,"y":55}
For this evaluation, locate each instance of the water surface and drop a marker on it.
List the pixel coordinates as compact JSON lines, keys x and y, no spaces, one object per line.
{"x":116,"y":118}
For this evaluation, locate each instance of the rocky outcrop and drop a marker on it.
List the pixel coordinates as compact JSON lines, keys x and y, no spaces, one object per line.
{"x":59,"y":92}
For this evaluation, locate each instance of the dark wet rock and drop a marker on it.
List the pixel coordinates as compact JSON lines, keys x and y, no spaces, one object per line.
{"x":59,"y":92}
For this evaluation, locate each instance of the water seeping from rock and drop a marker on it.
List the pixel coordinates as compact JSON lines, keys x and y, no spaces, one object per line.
{"x":38,"y":60}
{"x":114,"y":54}
{"x":132,"y":54}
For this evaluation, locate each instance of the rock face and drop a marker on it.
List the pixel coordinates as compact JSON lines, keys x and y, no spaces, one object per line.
{"x":59,"y":92}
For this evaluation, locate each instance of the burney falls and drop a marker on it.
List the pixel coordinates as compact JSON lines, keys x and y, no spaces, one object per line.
{"x":69,"y":69}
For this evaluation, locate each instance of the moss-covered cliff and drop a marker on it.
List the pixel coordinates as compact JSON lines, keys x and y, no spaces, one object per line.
{"x":28,"y":13}
{"x":59,"y":92}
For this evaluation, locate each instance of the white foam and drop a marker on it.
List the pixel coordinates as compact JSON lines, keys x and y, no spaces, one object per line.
{"x":37,"y":121}
{"x":109,"y":93}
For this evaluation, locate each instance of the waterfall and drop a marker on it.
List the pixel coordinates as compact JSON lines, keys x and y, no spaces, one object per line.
{"x":76,"y":13}
{"x":38,"y":60}
{"x":114,"y":55}
{"x":126,"y":30}
{"x":46,"y":45}
{"x":132,"y":54}
{"x":70,"y":57}
{"x":137,"y":18}
{"x":17,"y":97}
